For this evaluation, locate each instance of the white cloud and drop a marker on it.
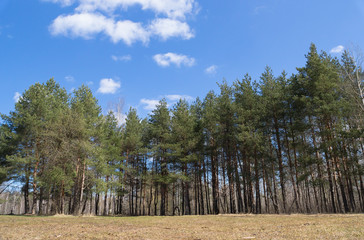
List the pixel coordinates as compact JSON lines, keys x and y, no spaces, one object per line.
{"x":177,"y":97}
{"x":87,"y":25}
{"x":149,"y":104}
{"x":120,"y":117}
{"x":69,"y":78}
{"x":211,"y":70}
{"x":337,"y":49}
{"x":62,"y":2}
{"x":169,"y":8}
{"x":124,"y":58}
{"x":17,"y":96}
{"x":79,"y":25}
{"x":167,"y":28}
{"x":167,"y":59}
{"x":107,"y":85}
{"x":93,"y":17}
{"x":90,"y":83}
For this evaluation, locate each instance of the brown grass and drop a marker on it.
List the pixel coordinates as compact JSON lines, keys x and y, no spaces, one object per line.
{"x":185,"y":227}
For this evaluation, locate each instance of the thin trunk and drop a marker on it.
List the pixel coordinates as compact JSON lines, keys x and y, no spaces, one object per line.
{"x":140,"y":198}
{"x":196,"y":192}
{"x":105,"y":213}
{"x":215,"y":182}
{"x":155,"y":199}
{"x":224,"y":188}
{"x":266,"y":198}
{"x":40,"y":206}
{"x":97,"y":200}
{"x":150,"y":199}
{"x":258,"y":206}
{"x":26,"y":195}
{"x":186,"y":194}
{"x":82,"y":187}
{"x":243,"y":172}
{"x":35,"y":188}
{"x":274,"y":197}
{"x":328,"y":168}
{"x":280,"y":163}
{"x":295,"y":163}
{"x":207,"y":189}
{"x":76,"y":189}
{"x":84,"y":205}
{"x":318,"y":163}
{"x":62,"y":198}
{"x":173,"y":198}
{"x":290,"y":164}
{"x":164,"y":188}
{"x":238,"y":187}
{"x":202,"y":207}
{"x":362,"y":191}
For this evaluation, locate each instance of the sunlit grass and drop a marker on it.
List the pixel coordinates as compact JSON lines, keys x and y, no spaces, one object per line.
{"x":185,"y":227}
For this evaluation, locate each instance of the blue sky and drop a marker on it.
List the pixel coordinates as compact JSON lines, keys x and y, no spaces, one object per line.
{"x":143,"y":50}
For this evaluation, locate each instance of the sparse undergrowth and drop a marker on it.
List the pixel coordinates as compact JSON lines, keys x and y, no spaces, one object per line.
{"x":185,"y":227}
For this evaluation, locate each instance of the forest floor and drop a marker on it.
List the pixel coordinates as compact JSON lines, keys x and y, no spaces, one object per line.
{"x":185,"y":227}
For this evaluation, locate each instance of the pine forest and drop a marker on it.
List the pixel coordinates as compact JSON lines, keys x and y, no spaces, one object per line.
{"x":277,"y":144}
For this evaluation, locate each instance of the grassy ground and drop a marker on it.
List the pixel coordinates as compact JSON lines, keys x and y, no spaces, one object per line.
{"x":186,"y":227}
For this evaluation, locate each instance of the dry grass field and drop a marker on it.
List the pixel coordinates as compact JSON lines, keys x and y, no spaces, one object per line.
{"x":185,"y":227}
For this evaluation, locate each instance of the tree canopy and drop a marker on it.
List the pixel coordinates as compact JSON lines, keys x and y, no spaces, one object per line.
{"x":280,"y":144}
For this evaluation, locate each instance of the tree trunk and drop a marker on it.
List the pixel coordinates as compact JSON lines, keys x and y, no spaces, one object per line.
{"x":35,"y":189}
{"x":258,"y":206}
{"x":280,"y":163}
{"x":238,"y":187}
{"x":215,"y":183}
{"x":105,"y":197}
{"x":26,"y":195}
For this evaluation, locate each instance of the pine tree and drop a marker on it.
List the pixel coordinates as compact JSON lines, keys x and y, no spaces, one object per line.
{"x":132,"y":145}
{"x":182,"y":137}
{"x":272,"y":98}
{"x":250,"y":141}
{"x":209,"y":121}
{"x":160,"y":132}
{"x":84,"y":104}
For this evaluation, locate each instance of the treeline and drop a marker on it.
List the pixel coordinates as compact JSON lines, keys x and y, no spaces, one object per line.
{"x":286,"y":144}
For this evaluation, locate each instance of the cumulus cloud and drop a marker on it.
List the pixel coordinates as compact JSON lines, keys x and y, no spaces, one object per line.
{"x":124,"y":58}
{"x":17,"y":96}
{"x":176,"y":97}
{"x":87,"y":25}
{"x":170,"y":8}
{"x":211,"y":70}
{"x":80,"y":25}
{"x":167,"y":59}
{"x":108,"y":86}
{"x":149,"y":104}
{"x":167,"y":28}
{"x":62,"y":2}
{"x":93,"y":17}
{"x":337,"y":49}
